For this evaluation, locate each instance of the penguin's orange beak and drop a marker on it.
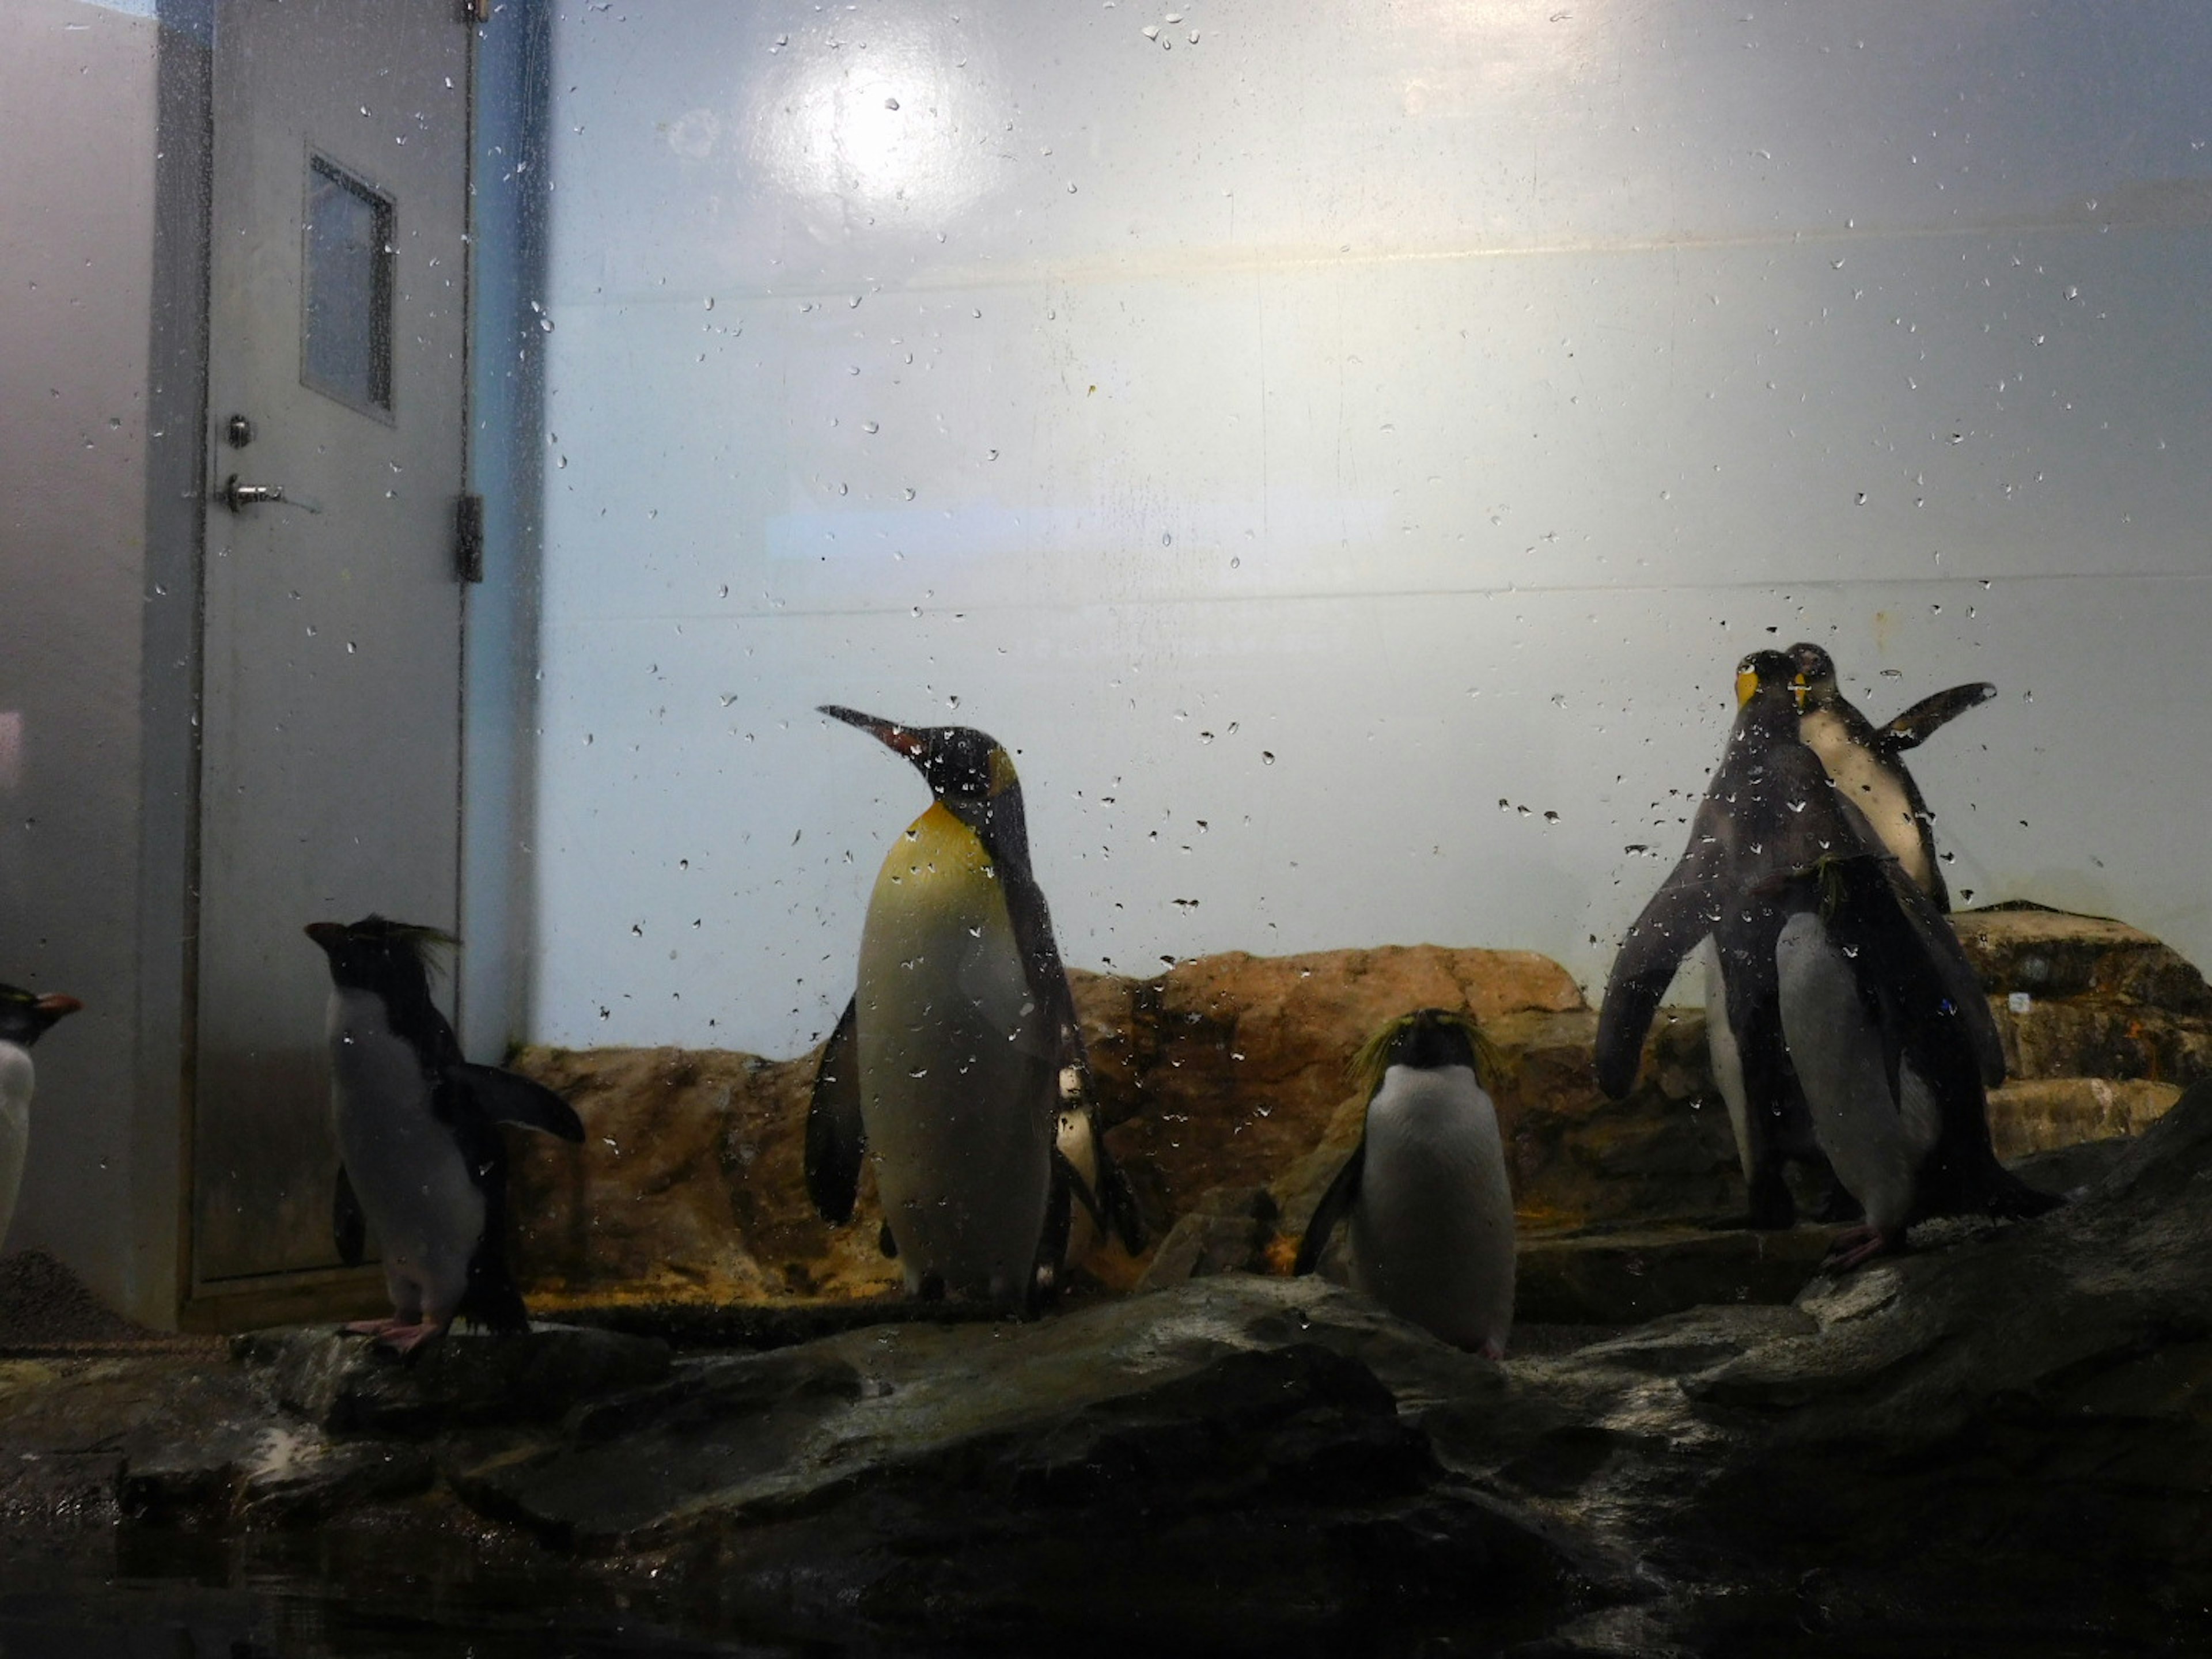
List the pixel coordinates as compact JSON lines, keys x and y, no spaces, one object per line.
{"x":55,"y":1007}
{"x":1747,"y":685}
{"x":904,"y":739}
{"x":325,"y":933}
{"x":1800,"y":689}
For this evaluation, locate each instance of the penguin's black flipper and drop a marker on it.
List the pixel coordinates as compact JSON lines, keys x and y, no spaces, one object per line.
{"x":1680,"y":914}
{"x":507,"y":1098}
{"x":1961,"y":994}
{"x":1930,"y":714}
{"x":1335,"y":1204}
{"x":835,"y":1140}
{"x":349,"y":1226}
{"x":489,"y":1298}
{"x":1120,"y":1199}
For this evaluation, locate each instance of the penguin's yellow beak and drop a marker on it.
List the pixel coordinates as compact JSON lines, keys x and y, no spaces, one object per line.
{"x":906,"y":740}
{"x":1746,"y":685}
{"x":1799,"y":690}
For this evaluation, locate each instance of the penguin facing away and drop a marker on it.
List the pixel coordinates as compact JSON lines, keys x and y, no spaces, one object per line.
{"x":1428,"y":1207}
{"x":951,"y":1069}
{"x":25,"y":1017}
{"x":1746,"y":804}
{"x":1867,"y":763}
{"x":420,"y":1159}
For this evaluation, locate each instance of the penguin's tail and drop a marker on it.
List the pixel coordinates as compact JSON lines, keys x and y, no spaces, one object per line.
{"x":1969,"y":1181}
{"x":491,"y":1299}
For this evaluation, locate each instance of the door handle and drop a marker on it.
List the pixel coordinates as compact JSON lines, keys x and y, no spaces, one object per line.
{"x":239,"y":496}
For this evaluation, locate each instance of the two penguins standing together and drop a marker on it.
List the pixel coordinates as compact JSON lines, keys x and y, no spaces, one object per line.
{"x":1854,"y":1036}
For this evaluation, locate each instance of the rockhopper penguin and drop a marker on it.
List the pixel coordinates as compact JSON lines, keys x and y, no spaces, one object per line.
{"x":1426,"y":1194}
{"x":1838,"y":966}
{"x":1867,"y":764}
{"x":952,"y":1067}
{"x":24,"y":1017}
{"x":420,"y":1159}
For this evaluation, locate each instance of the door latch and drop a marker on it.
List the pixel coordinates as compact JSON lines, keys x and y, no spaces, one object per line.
{"x":239,"y":496}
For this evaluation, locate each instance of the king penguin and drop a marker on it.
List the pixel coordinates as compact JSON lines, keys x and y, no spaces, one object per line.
{"x":1839,"y":968}
{"x":959,"y":1063}
{"x":420,"y":1155}
{"x":24,"y":1017}
{"x":1430,"y":1209}
{"x":1767,"y":1110}
{"x":1867,"y":763}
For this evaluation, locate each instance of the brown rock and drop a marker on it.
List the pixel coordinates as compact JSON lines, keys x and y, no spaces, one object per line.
{"x":2052,"y":953}
{"x":688,"y":1185}
{"x":1227,"y":1073}
{"x":2045,"y":1113}
{"x":1251,"y":1051}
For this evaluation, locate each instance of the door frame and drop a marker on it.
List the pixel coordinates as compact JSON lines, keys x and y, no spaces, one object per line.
{"x":508,"y":81}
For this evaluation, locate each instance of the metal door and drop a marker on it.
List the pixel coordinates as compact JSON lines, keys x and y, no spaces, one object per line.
{"x":330,"y":773}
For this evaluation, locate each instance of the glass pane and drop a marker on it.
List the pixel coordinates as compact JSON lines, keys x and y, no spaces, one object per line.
{"x":345,"y":348}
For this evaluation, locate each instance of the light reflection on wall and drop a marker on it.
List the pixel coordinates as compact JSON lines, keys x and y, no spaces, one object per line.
{"x":1417,"y":408}
{"x":902,"y":130}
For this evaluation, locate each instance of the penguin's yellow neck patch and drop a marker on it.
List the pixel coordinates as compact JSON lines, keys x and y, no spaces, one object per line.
{"x":938,"y":838}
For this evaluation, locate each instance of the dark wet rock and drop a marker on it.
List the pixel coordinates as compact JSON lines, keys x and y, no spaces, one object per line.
{"x":1628,"y":1275}
{"x":2035,"y":1397}
{"x":692,"y":1326}
{"x":724,"y":1441}
{"x":349,"y":1384}
{"x":1233,"y":1457}
{"x":299,"y":1477}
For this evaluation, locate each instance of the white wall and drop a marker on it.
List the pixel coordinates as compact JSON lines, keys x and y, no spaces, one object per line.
{"x":95,"y":630}
{"x":1298,"y":443}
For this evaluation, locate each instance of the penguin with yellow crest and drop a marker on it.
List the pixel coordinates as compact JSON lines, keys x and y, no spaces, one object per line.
{"x":1428,"y":1207}
{"x":958,"y":1069}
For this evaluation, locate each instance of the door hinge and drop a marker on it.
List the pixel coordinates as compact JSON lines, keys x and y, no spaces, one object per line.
{"x":469,"y":539}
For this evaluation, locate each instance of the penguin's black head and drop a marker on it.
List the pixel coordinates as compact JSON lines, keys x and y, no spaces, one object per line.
{"x":1426,"y":1039}
{"x":378,"y":954}
{"x":1815,"y":673}
{"x":964,"y":768}
{"x":1767,"y":682}
{"x":25,"y":1015}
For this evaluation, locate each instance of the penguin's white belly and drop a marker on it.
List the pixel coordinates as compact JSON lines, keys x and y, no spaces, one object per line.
{"x":1876,"y":790}
{"x":1727,"y":1057}
{"x":15,"y":1081}
{"x":958,"y":1085}
{"x":1431,"y":1232}
{"x":1876,"y":1142}
{"x":405,"y":1166}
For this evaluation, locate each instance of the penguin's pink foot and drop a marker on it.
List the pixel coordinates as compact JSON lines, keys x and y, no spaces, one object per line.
{"x":1855,"y":1246}
{"x":406,"y":1339}
{"x":1492,"y":1349}
{"x":375,"y":1327}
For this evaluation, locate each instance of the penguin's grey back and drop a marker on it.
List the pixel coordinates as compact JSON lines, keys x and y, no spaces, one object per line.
{"x":403,"y":1164}
{"x":1431,"y":1230}
{"x":1876,"y":1141}
{"x":958,"y":1067}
